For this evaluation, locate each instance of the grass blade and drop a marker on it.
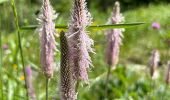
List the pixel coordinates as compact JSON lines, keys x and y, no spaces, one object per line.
{"x":114,"y":26}
{"x":127,"y":25}
{"x":19,"y":42}
{"x":1,"y":72}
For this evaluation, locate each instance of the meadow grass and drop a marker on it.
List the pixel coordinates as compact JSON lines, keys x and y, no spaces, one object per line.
{"x":130,"y":80}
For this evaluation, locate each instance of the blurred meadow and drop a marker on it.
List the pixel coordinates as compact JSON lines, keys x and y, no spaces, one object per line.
{"x":131,"y":79}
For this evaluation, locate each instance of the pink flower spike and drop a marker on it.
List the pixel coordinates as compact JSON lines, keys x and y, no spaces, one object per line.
{"x":29,"y":83}
{"x":47,"y":40}
{"x":154,"y":61}
{"x":79,"y":41}
{"x":114,"y":38}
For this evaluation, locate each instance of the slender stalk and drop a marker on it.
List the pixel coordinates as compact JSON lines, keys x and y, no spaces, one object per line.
{"x":107,"y":81}
{"x":152,"y":87}
{"x":2,"y":94}
{"x":77,"y":86}
{"x":1,"y":81}
{"x":19,"y":43}
{"x":164,"y":92}
{"x":47,"y":83}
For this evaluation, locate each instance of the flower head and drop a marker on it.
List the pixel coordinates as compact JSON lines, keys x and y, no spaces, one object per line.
{"x":79,"y":42}
{"x":29,"y":84}
{"x":28,"y":71}
{"x":5,"y":46}
{"x":114,"y":38}
{"x":67,"y":89}
{"x":47,"y":40}
{"x":155,"y":25}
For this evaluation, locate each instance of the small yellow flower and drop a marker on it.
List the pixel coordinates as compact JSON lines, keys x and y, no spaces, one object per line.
{"x":22,"y":78}
{"x":15,"y":66}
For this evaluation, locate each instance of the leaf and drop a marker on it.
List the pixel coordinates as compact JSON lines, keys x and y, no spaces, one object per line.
{"x":112,"y":26}
{"x":3,"y":1}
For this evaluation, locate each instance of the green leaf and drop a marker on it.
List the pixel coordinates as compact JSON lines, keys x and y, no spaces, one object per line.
{"x":32,"y":27}
{"x":112,"y":26}
{"x":2,"y":1}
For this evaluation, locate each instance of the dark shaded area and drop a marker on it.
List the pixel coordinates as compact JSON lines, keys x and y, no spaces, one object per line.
{"x":126,"y":4}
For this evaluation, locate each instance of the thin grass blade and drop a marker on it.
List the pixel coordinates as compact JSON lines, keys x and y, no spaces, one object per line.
{"x":99,"y":27}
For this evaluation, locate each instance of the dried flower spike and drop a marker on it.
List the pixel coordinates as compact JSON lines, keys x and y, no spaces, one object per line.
{"x":29,"y":83}
{"x":47,"y":40}
{"x":167,"y":80}
{"x":79,"y":42}
{"x":154,"y":61}
{"x":114,"y":38}
{"x":67,"y":89}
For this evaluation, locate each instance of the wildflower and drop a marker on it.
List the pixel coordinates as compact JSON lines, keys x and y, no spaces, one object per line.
{"x":22,"y":77}
{"x":154,"y":61}
{"x":29,"y":84}
{"x":47,"y":40}
{"x":5,"y":47}
{"x":79,"y":42}
{"x":67,"y":89}
{"x":155,"y":25}
{"x":114,"y":38}
{"x":15,"y":66}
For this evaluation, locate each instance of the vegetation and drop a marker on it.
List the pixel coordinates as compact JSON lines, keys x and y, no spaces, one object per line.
{"x":130,"y":81}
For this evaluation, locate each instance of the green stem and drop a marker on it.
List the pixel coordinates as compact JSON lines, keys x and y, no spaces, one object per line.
{"x":164,"y":93}
{"x":47,"y":83}
{"x":2,"y":94}
{"x":107,"y":81}
{"x":1,"y":81}
{"x":152,"y":87}
{"x":19,"y":43}
{"x":77,"y":85}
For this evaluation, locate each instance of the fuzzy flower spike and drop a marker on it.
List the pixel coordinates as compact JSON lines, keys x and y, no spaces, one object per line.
{"x":47,"y":40}
{"x":79,"y":42}
{"x":114,"y":38}
{"x":154,"y":61}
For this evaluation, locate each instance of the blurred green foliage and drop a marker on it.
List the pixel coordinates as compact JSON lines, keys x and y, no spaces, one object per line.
{"x":126,"y":4}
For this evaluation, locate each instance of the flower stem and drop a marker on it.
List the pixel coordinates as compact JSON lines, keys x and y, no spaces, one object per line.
{"x":164,"y":92}
{"x":77,"y":86}
{"x":47,"y":83}
{"x":19,"y":43}
{"x":1,"y":81}
{"x":107,"y":81}
{"x":152,"y":87}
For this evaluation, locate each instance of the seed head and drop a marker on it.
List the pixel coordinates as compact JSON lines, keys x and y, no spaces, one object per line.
{"x":79,"y":42}
{"x":67,"y":89}
{"x":47,"y":40}
{"x":154,"y":61}
{"x":114,"y":38}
